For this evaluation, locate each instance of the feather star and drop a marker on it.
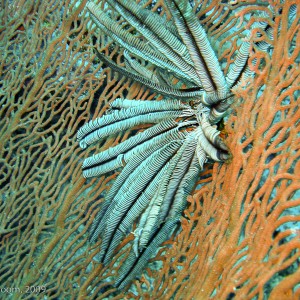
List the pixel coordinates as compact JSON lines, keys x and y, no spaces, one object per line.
{"x":162,"y":163}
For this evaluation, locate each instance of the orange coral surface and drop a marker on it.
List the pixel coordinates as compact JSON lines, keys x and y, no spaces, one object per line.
{"x":240,"y":232}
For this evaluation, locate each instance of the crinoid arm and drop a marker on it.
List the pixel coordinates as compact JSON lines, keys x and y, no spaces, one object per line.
{"x":160,"y":168}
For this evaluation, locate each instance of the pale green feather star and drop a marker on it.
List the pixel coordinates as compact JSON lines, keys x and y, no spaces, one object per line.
{"x":161,"y":164}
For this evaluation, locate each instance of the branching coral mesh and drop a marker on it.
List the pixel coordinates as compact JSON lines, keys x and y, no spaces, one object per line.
{"x":240,"y":233}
